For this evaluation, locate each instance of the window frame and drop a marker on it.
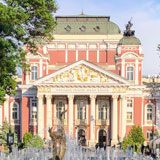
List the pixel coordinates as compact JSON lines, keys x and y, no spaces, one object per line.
{"x":62,"y":108}
{"x":149,"y":135}
{"x":150,"y":122}
{"x":33,"y":108}
{"x":81,"y":110}
{"x":34,"y":73}
{"x":130,"y":109}
{"x":17,"y":111}
{"x":130,"y":72}
{"x":103,"y":111}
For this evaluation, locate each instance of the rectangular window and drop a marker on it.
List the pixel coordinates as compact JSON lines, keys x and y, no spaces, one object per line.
{"x":33,"y":109}
{"x":14,"y":113}
{"x":34,"y":114}
{"x":130,"y":109}
{"x":149,"y":134}
{"x":129,"y":115}
{"x":129,"y":103}
{"x":34,"y":72}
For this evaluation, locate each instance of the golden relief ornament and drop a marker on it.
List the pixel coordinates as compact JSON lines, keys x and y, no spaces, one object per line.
{"x":119,"y":90}
{"x":81,"y":74}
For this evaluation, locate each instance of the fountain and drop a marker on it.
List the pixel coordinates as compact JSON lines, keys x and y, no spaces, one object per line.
{"x":65,"y":147}
{"x":73,"y":152}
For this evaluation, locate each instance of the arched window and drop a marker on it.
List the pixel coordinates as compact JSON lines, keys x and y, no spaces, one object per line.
{"x":81,"y":110}
{"x":102,"y":137}
{"x":149,"y":112}
{"x":15,"y":111}
{"x":130,"y":73}
{"x":34,"y":72}
{"x":102,"y":111}
{"x":81,"y":137}
{"x":60,"y":107}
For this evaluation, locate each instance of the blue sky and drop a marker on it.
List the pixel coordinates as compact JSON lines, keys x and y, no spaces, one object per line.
{"x":146,"y":20}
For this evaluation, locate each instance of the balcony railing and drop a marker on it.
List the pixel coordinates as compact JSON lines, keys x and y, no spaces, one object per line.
{"x":56,"y":121}
{"x":80,"y":122}
{"x":100,"y":122}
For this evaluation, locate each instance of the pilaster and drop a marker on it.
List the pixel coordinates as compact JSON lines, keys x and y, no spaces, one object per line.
{"x":123,"y":117}
{"x":70,"y":98}
{"x":114,"y":120}
{"x":49,"y":114}
{"x":92,"y":120}
{"x":40,"y":116}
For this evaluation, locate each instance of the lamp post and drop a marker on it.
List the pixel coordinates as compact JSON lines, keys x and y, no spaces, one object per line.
{"x":10,"y":140}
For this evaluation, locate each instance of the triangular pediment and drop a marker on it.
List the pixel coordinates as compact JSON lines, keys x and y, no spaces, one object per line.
{"x":82,"y":72}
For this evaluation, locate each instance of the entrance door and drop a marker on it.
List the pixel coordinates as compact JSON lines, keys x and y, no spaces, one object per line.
{"x":102,"y":137}
{"x":81,"y":137}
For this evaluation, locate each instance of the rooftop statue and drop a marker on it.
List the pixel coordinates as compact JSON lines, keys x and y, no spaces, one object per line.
{"x":128,"y":32}
{"x":59,"y":139}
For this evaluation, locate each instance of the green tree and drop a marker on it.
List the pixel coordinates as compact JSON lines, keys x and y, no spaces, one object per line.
{"x":22,"y":23}
{"x":3,"y":133}
{"x":27,"y":138}
{"x":32,"y":141}
{"x":134,"y":137}
{"x":36,"y":141}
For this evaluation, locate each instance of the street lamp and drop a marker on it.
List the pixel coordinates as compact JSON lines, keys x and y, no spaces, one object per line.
{"x":10,"y":140}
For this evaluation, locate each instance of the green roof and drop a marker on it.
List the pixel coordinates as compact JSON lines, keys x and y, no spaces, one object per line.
{"x":85,"y":24}
{"x":130,"y":40}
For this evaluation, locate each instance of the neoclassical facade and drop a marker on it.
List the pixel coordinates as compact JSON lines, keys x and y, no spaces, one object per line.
{"x":91,"y":70}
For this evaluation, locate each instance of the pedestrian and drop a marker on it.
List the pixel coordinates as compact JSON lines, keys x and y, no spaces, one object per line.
{"x":135,"y":148}
{"x":142,"y":148}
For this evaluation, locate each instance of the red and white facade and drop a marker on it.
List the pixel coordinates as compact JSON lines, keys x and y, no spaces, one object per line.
{"x":94,"y":77}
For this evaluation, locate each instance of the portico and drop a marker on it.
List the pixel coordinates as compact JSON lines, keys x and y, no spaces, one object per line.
{"x":90,"y":105}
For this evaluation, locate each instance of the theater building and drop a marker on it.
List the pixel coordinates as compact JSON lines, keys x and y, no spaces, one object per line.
{"x":92,"y":70}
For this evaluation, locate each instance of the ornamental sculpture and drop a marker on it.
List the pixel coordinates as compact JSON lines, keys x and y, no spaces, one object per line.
{"x":59,"y":139}
{"x":128,"y":32}
{"x":81,"y":74}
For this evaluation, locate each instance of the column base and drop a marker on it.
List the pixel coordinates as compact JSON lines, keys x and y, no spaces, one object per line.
{"x":114,"y":142}
{"x":92,"y":143}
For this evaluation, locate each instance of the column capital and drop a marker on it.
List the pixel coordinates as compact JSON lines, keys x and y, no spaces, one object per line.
{"x":71,"y":97}
{"x":123,"y":96}
{"x":40,"y":96}
{"x":115,"y":96}
{"x":48,"y":96}
{"x":93,"y":96}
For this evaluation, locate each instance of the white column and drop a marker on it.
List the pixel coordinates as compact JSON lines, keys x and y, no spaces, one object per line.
{"x":66,"y":53}
{"x":123,"y":116}
{"x":40,"y":68}
{"x":98,"y":53}
{"x":120,"y":120}
{"x":76,"y":52}
{"x":92,"y":119}
{"x":6,"y":109}
{"x":87,"y":52}
{"x":114,"y":120}
{"x":136,"y":72}
{"x":27,"y":77}
{"x":40,"y":116}
{"x":49,"y":114}
{"x":70,"y":98}
{"x":142,"y":112}
{"x":123,"y":68}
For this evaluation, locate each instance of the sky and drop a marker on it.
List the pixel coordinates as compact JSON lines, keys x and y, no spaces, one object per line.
{"x":145,"y":16}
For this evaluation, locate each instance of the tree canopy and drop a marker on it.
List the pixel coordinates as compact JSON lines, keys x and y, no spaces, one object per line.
{"x":134,"y":137}
{"x":30,"y":140}
{"x":3,"y":133}
{"x":22,"y":22}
